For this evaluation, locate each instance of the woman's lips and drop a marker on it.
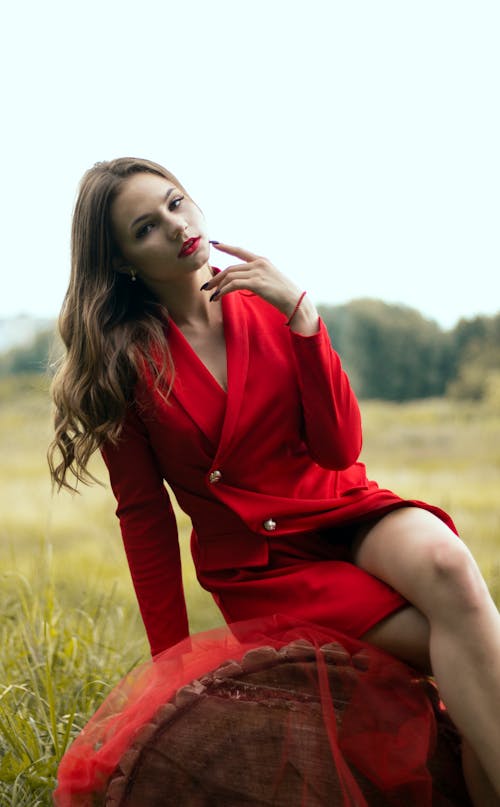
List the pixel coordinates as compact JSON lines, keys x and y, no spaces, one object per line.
{"x":189,"y":246}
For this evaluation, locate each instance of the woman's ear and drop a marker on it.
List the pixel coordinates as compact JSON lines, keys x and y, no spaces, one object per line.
{"x":123,"y":268}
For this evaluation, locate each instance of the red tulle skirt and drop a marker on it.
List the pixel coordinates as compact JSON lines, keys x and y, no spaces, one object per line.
{"x":266,"y":712}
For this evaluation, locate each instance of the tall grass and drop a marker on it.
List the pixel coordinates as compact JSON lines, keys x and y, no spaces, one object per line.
{"x":59,"y":659}
{"x":69,"y":624}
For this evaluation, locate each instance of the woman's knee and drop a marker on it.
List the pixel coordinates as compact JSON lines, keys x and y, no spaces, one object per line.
{"x":454,"y":576}
{"x":417,"y":554}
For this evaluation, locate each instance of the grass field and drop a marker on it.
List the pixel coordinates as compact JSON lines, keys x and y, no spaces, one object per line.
{"x":69,"y":626}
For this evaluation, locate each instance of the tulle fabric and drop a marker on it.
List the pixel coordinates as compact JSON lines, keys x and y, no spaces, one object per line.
{"x":387,"y":732}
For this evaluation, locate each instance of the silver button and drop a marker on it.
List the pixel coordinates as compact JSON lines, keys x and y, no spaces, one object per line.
{"x":269,"y":525}
{"x":214,"y":476}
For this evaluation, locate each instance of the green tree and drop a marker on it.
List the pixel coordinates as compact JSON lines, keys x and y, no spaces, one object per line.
{"x":477,"y":357}
{"x":390,"y":351}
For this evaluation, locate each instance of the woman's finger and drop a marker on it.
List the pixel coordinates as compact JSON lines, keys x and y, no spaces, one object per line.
{"x":219,"y":278}
{"x":241,"y":280}
{"x":244,"y":254}
{"x":223,"y":278}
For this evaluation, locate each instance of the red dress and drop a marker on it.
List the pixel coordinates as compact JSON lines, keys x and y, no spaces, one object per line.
{"x":268,"y":474}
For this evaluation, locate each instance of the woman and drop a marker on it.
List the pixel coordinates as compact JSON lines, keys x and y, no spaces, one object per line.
{"x":225,"y":385}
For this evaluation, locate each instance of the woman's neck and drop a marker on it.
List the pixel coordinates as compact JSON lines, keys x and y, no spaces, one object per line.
{"x":186,"y":304}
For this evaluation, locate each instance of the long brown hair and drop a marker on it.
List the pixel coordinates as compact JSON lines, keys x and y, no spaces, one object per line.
{"x":108,"y":325}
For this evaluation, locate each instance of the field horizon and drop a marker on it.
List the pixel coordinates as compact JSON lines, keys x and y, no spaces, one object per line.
{"x":69,"y":621}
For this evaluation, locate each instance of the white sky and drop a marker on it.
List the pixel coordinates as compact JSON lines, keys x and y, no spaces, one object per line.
{"x":355,"y":143}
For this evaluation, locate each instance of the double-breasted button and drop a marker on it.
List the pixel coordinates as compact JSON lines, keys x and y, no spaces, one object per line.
{"x":269,"y":524}
{"x":214,"y":476}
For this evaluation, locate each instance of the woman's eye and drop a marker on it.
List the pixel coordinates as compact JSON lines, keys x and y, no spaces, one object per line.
{"x":175,"y":202}
{"x":144,"y":230}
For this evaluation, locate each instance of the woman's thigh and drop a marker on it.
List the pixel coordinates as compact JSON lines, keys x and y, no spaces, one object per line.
{"x":421,"y":557}
{"x":405,"y":633}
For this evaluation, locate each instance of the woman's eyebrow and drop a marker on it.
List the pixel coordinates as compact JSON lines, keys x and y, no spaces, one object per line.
{"x":146,"y":215}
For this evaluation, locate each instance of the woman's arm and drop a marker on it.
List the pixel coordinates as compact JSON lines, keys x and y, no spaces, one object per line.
{"x":149,"y":532}
{"x":331,"y":412}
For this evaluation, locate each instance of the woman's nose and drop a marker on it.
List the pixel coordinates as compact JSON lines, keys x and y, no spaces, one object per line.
{"x":175,"y":226}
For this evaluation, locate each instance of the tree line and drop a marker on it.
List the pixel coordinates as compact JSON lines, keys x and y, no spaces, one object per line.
{"x":391,"y":352}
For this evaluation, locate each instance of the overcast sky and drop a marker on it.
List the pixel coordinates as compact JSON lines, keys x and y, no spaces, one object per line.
{"x":355,"y":144}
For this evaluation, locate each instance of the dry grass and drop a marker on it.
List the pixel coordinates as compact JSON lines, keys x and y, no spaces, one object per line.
{"x":67,"y":602}
{"x":435,"y":450}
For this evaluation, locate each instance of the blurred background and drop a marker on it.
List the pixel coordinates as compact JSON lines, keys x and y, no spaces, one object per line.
{"x":353,"y":144}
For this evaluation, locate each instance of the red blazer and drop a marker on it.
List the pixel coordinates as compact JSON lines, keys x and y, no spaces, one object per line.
{"x":275,"y":455}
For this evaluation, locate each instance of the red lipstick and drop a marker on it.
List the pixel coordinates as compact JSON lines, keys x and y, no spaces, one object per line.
{"x":189,"y":246}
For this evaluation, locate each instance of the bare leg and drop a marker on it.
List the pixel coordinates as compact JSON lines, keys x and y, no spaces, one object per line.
{"x":420,"y":557}
{"x":406,"y":635}
{"x":479,"y":786}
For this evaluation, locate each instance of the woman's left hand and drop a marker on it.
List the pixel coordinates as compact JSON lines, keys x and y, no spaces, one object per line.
{"x":256,"y":274}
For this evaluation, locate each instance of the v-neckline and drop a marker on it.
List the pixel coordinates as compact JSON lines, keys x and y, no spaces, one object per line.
{"x":199,"y":392}
{"x":201,"y":364}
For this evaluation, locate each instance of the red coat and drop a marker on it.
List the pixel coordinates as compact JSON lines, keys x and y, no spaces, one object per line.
{"x":275,"y":456}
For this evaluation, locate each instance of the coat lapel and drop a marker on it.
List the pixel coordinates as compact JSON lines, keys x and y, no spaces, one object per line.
{"x":237,"y":350}
{"x":197,"y":391}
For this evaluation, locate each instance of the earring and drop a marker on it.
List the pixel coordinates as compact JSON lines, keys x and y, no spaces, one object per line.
{"x":133,"y":275}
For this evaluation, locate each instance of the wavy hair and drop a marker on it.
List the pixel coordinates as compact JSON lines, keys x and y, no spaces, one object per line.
{"x":109,"y":327}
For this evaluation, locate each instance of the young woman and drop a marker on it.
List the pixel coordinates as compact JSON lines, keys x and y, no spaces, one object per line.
{"x":224,"y":384}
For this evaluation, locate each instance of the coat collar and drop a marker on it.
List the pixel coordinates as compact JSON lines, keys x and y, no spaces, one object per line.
{"x":195,"y":388}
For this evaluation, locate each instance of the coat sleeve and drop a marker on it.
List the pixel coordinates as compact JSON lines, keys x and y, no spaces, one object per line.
{"x":331,"y":412}
{"x":149,"y":533}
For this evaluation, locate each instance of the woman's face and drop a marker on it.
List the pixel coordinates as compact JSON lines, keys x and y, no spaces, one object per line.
{"x":152,"y":219}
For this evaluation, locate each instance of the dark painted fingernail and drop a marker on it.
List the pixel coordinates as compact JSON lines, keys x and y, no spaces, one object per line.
{"x":214,"y":242}
{"x":205,"y":286}
{"x":214,"y":295}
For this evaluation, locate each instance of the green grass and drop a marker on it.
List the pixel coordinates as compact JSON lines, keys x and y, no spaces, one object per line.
{"x":69,"y":624}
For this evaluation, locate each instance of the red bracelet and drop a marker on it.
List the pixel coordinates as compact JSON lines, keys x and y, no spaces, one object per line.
{"x":296,"y":307}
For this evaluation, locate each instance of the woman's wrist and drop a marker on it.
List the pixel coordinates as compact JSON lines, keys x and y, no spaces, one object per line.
{"x":296,"y":308}
{"x":304,"y":318}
